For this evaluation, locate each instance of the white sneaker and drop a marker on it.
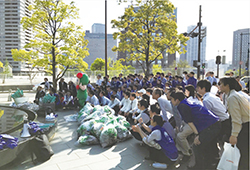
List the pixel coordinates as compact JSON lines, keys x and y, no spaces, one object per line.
{"x":159,"y":165}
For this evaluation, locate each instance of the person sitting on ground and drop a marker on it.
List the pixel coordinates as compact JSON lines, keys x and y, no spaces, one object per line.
{"x":191,"y":80}
{"x":72,"y":88}
{"x":103,"y":99}
{"x":162,"y":147}
{"x":140,"y":93}
{"x":144,"y":114}
{"x":99,"y":80}
{"x":39,"y":94}
{"x":134,"y":108}
{"x":125,"y":104}
{"x":92,"y":99}
{"x":114,"y":104}
{"x":149,"y":91}
{"x":68,"y":100}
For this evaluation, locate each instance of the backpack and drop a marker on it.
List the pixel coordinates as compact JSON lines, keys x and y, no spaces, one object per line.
{"x":41,"y":148}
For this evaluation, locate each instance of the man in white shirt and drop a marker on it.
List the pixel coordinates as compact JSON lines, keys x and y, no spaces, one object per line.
{"x":164,"y":103}
{"x":103,"y":99}
{"x":114,"y":103}
{"x":214,"y":104}
{"x":125,"y":104}
{"x":92,"y":99}
{"x":134,"y":108}
{"x":99,"y":80}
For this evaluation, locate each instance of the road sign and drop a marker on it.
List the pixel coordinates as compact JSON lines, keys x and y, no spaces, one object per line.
{"x":175,"y":68}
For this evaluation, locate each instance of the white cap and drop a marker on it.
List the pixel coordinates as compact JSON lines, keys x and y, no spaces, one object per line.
{"x":142,"y":91}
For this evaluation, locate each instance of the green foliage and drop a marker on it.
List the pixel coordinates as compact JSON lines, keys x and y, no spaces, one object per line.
{"x":181,"y":65}
{"x":236,"y":72}
{"x":150,"y":31}
{"x":98,"y":64}
{"x":156,"y":68}
{"x":1,"y":64}
{"x":58,"y":42}
{"x":117,"y":67}
{"x":6,"y":68}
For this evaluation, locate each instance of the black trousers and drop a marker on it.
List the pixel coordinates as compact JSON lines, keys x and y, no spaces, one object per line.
{"x":207,"y":150}
{"x":159,"y":156}
{"x":136,"y":135}
{"x":243,"y":145}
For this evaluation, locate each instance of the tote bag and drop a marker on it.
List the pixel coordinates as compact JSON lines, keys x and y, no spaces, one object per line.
{"x":230,"y":158}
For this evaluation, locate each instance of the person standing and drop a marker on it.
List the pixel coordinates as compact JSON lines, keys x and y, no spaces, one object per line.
{"x":63,"y":86}
{"x":238,"y":108}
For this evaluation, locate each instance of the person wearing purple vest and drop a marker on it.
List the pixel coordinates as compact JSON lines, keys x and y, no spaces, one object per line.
{"x":162,"y":148}
{"x":191,"y":79}
{"x":206,"y":127}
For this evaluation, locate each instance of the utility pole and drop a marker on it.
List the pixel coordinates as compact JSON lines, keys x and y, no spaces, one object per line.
{"x":199,"y":45}
{"x":240,"y":54}
{"x":106,"y":52}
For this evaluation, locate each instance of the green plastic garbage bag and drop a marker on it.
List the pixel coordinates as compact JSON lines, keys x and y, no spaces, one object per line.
{"x":85,"y":127}
{"x":87,"y":140}
{"x":122,"y":132}
{"x":86,"y":109}
{"x":49,"y":99}
{"x":97,"y":129}
{"x":108,"y":136}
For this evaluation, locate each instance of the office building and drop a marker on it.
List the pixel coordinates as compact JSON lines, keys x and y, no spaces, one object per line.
{"x":98,"y":28}
{"x":192,"y":46}
{"x":96,"y":46}
{"x":241,"y":44}
{"x":12,"y":35}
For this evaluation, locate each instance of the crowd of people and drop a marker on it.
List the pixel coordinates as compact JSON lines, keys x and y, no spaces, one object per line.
{"x":165,"y":111}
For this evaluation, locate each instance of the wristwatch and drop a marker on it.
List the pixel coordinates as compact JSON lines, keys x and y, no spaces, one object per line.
{"x":141,"y":123}
{"x":196,"y":135}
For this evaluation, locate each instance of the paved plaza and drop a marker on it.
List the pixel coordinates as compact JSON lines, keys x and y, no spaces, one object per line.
{"x":122,"y":156}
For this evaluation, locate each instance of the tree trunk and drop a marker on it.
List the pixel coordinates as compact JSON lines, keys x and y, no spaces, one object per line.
{"x":54,"y":68}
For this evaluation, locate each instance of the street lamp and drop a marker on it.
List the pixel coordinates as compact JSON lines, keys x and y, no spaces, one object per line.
{"x":241,"y":34}
{"x":106,"y":52}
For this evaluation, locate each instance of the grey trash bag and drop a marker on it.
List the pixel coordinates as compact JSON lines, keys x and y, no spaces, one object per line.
{"x":85,"y":127}
{"x":108,"y":136}
{"x":87,"y":140}
{"x":97,"y":129}
{"x":122,"y":132}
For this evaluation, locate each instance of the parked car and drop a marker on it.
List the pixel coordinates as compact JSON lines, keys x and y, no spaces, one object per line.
{"x":34,"y":88}
{"x":245,"y":79}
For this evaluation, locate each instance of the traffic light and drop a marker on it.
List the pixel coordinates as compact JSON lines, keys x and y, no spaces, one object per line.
{"x":195,"y":63}
{"x":203,"y":65}
{"x":218,"y":59}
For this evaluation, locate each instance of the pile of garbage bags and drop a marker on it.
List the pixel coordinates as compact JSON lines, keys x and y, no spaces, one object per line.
{"x":100,"y":125}
{"x":7,"y":141}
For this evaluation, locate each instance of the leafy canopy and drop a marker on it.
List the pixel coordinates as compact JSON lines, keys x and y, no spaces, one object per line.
{"x":57,"y":42}
{"x":146,"y":30}
{"x":98,"y":64}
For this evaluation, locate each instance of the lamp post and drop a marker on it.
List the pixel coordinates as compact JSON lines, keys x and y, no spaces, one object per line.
{"x":199,"y":44}
{"x":106,"y":52}
{"x":240,"y":63}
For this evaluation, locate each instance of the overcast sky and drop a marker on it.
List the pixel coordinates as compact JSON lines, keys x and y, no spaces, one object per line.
{"x":221,"y":17}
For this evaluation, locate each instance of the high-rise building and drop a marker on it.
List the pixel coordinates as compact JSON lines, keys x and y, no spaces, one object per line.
{"x":12,"y":35}
{"x":96,"y":46}
{"x":98,"y":28}
{"x":241,"y":43}
{"x":192,"y":47}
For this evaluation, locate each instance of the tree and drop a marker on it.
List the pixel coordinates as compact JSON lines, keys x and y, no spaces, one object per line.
{"x":6,"y":70}
{"x":98,"y":64}
{"x":147,"y":31}
{"x":1,"y":64}
{"x":58,"y":42}
{"x":181,"y":65}
{"x":117,"y":67}
{"x":156,"y":68}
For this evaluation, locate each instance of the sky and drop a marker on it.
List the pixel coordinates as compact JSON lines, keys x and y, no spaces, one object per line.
{"x":221,"y":17}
